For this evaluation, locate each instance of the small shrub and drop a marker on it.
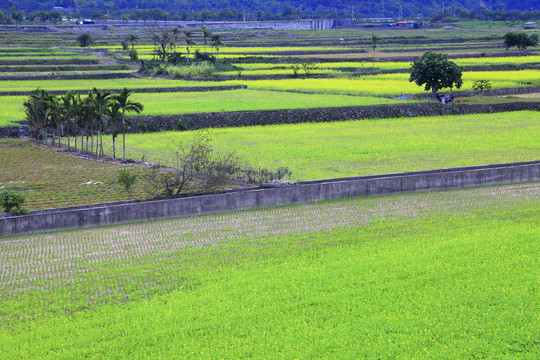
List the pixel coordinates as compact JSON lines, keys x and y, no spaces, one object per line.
{"x":133,"y":55}
{"x":85,"y":40}
{"x":180,"y":124}
{"x":295,"y":68}
{"x":481,"y":86}
{"x":153,"y":126}
{"x":309,"y":67}
{"x":127,"y":179}
{"x":143,"y":126}
{"x":200,"y":57}
{"x":12,"y":202}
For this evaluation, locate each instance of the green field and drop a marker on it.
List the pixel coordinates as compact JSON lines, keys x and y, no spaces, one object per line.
{"x":216,"y":101}
{"x":50,"y":179}
{"x":352,"y":148}
{"x":392,"y":65}
{"x":25,"y":85}
{"x":437,"y":275}
{"x":11,"y":108}
{"x":392,"y":84}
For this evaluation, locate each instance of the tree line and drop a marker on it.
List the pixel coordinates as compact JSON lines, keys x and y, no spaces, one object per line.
{"x":71,"y":115}
{"x":271,"y":10}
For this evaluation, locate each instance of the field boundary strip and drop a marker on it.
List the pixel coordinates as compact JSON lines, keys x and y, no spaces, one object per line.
{"x":139,"y":90}
{"x":195,"y":121}
{"x":269,"y":195}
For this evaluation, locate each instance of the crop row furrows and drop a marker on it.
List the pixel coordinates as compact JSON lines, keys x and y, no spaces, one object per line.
{"x":36,"y":260}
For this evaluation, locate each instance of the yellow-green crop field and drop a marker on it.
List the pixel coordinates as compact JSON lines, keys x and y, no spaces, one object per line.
{"x":79,"y":84}
{"x":393,"y":65}
{"x":240,"y":50}
{"x":437,"y":275}
{"x":365,"y":147}
{"x":11,"y":107}
{"x":392,"y":84}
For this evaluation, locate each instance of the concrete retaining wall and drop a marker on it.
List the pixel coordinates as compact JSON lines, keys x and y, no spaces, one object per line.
{"x":303,"y":192}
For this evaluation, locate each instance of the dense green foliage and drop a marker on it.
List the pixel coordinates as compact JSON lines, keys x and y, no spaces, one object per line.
{"x":435,"y":72}
{"x":520,"y":40}
{"x":438,"y":275}
{"x":12,"y":202}
{"x":233,"y":10}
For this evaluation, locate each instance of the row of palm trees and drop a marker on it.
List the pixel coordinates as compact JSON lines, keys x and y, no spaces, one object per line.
{"x":54,"y":117}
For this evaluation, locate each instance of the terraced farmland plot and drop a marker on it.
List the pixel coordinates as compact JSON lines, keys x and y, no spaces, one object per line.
{"x":441,"y":275}
{"x":48,"y":179}
{"x":24,"y":85}
{"x":393,"y":84}
{"x":216,"y":101}
{"x":11,"y":108}
{"x":353,"y":148}
{"x":392,"y":65}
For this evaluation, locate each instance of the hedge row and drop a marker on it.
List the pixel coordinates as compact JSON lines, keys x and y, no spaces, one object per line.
{"x":269,"y":117}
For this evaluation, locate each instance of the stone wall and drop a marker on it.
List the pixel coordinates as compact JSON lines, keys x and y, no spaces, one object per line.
{"x":9,"y":131}
{"x":299,"y":193}
{"x":295,"y":116}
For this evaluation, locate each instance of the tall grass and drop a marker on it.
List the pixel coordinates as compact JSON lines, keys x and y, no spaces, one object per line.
{"x":194,"y":70}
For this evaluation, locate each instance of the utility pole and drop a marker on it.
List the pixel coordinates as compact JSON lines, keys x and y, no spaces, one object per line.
{"x":382,"y":8}
{"x":400,"y":12}
{"x":244,"y":15}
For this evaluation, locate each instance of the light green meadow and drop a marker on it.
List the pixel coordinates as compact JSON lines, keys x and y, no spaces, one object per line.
{"x":365,"y":147}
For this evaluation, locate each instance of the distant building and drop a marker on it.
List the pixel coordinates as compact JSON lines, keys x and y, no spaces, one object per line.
{"x":406,"y":24}
{"x":403,"y":25}
{"x":530,"y":25}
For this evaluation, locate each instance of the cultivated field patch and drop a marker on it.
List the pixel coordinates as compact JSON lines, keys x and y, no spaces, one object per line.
{"x":437,"y":271}
{"x":354,"y":148}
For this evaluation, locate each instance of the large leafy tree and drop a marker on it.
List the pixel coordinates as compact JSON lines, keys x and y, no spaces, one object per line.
{"x":519,"y":40}
{"x":434,"y":71}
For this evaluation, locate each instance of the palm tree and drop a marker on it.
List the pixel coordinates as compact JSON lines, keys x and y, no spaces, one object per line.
{"x":68,"y":108}
{"x":206,"y":35}
{"x":132,"y":39}
{"x":374,"y":40}
{"x":114,"y":116}
{"x":126,"y":105}
{"x":54,"y":117}
{"x":36,"y":111}
{"x":100,"y":101}
{"x":216,"y":42}
{"x":189,"y":42}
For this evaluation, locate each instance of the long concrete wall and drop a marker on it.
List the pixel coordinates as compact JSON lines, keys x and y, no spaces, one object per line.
{"x":302,"y":192}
